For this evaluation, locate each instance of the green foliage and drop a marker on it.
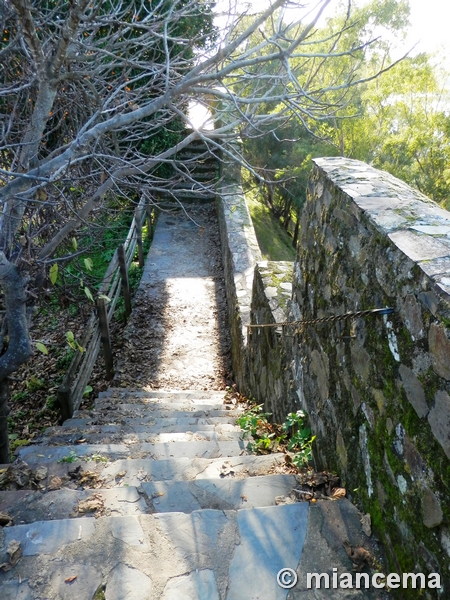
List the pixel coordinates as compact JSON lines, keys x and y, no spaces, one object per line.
{"x":19,"y":396}
{"x":300,"y":440}
{"x":70,"y":458}
{"x":398,"y":122}
{"x":252,"y":420}
{"x":65,"y":359}
{"x":41,"y":347}
{"x":34,"y":384}
{"x":274,"y":242}
{"x":15,"y":442}
{"x":51,"y":403}
{"x":402,"y":126}
{"x":293,"y":435}
{"x":255,"y":423}
{"x":70,"y":338}
{"x":100,"y":593}
{"x":54,"y":273}
{"x":96,"y":458}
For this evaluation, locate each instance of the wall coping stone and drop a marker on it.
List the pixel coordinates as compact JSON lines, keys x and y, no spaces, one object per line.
{"x":417,"y":226}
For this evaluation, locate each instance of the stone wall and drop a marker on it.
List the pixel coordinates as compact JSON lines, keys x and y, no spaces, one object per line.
{"x":377,"y":390}
{"x":268,"y":376}
{"x":240,"y":252}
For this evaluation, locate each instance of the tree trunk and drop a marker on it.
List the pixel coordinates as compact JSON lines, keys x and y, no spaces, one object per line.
{"x":4,"y":412}
{"x":19,"y":348}
{"x":296,"y":230}
{"x":287,"y":215}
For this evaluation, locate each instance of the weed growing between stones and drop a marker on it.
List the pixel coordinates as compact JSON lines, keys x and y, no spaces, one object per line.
{"x":291,"y":436}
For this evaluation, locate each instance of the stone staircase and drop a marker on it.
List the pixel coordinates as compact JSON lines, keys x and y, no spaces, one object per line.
{"x":195,"y":178}
{"x":152,"y":495}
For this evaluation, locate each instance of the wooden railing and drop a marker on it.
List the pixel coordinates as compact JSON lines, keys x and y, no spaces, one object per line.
{"x":71,"y":391}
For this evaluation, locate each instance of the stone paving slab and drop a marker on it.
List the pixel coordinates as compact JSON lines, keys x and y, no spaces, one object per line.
{"x":271,"y":539}
{"x":330,"y":524}
{"x":220,"y":494}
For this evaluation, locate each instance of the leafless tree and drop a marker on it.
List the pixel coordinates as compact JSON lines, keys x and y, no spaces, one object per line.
{"x":87,"y":87}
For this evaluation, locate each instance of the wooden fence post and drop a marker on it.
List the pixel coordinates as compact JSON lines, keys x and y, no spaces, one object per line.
{"x":148,"y":212}
{"x":124,"y":277}
{"x":105,"y":337}
{"x":138,"y":221}
{"x":65,"y":402}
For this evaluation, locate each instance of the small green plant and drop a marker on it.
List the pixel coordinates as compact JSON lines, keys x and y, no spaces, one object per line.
{"x":96,"y":458}
{"x":51,"y":402}
{"x":300,"y":439}
{"x":19,"y":396}
{"x":254,"y":422}
{"x":293,"y":435}
{"x":70,"y":458}
{"x":63,"y":362}
{"x":34,"y":384}
{"x":15,"y":442}
{"x":100,"y":593}
{"x":70,"y":338}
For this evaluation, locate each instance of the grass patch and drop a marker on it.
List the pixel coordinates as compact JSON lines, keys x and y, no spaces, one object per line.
{"x":274,"y":242}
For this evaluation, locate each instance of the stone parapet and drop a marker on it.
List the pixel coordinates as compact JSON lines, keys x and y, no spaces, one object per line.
{"x":377,"y":390}
{"x":240,"y":253}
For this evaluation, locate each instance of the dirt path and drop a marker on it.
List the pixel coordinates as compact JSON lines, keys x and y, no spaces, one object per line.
{"x":177,"y":336}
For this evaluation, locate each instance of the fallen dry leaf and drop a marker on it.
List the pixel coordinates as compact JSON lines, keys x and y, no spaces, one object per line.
{"x":338,"y":493}
{"x":91,"y":504}
{"x":54,"y":483}
{"x":41,"y":473}
{"x":14,"y":551}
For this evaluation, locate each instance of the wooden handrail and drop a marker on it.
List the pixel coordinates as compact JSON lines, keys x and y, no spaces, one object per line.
{"x":70,"y":392}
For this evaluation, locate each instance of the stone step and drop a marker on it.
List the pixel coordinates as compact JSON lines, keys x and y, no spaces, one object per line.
{"x":220,"y":494}
{"x":156,"y":411}
{"x":36,"y":455}
{"x":218,"y":424}
{"x":168,"y":556}
{"x":203,"y":555}
{"x":115,"y":434}
{"x":187,"y":396}
{"x":93,"y":472}
{"x":28,"y":506}
{"x":168,"y":202}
